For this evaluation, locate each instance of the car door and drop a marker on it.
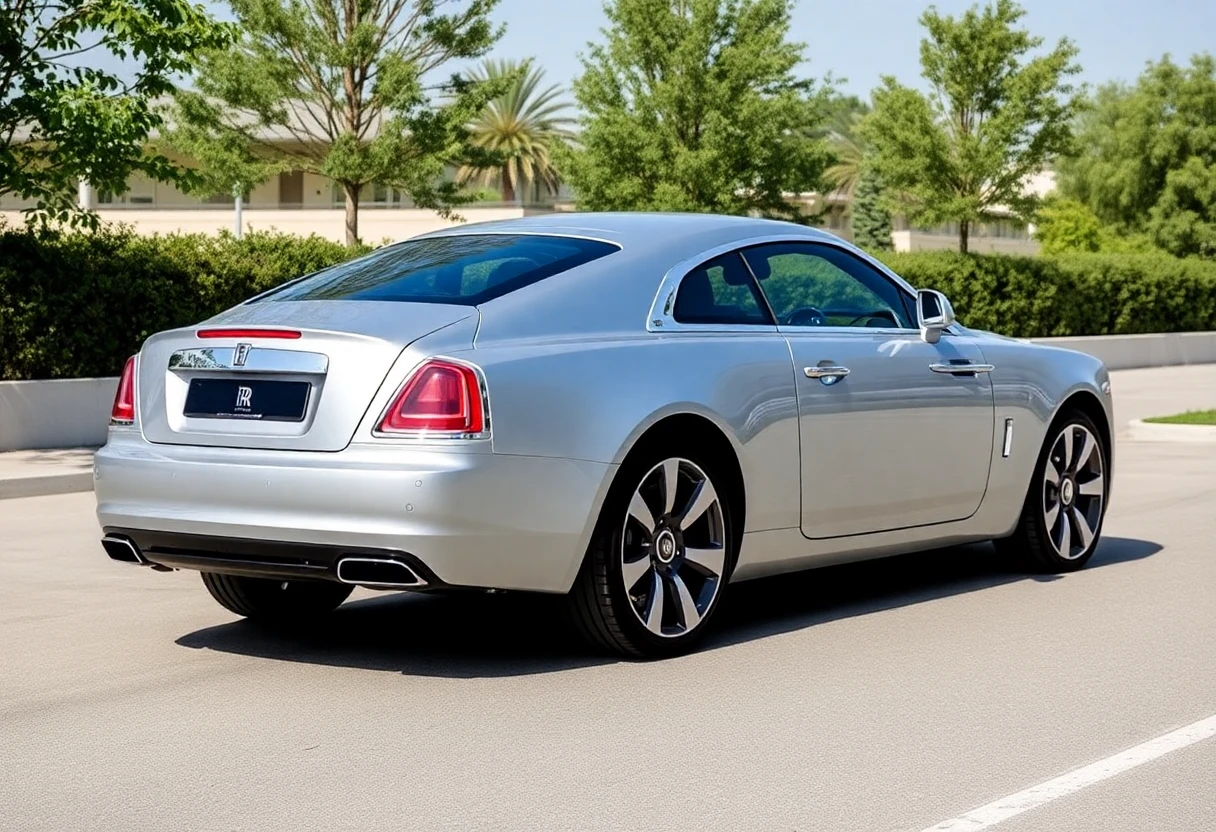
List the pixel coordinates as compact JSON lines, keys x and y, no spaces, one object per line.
{"x":894,"y":432}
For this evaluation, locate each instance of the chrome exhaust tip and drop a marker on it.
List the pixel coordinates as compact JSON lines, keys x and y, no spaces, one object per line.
{"x":378,"y":573}
{"x":123,"y":550}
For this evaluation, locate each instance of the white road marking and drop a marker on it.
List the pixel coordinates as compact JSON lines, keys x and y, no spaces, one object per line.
{"x":1066,"y":784}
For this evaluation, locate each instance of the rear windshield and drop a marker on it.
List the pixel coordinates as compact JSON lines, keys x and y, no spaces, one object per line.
{"x":460,"y":269}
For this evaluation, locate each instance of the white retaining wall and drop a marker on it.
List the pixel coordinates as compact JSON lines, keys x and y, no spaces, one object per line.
{"x":76,"y":412}
{"x":73,"y":413}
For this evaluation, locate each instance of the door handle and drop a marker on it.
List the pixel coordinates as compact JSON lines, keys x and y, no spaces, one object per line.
{"x":826,"y":374}
{"x":967,"y":369}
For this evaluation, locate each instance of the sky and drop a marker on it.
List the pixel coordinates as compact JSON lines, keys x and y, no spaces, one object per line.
{"x":858,"y":41}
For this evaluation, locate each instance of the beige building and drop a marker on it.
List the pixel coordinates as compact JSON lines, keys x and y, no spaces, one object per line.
{"x":299,"y":202}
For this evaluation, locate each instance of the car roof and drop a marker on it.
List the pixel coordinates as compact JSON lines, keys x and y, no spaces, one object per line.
{"x":637,"y":228}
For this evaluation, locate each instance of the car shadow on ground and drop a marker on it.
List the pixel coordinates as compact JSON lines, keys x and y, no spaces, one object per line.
{"x":475,"y":635}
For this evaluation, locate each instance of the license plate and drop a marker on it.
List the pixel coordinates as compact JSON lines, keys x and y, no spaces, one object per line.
{"x":267,"y":401}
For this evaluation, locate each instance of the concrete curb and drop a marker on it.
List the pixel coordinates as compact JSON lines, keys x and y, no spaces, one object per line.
{"x":1139,"y":430}
{"x":16,"y":487}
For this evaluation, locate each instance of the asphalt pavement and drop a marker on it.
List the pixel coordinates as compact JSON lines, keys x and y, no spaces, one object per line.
{"x":890,"y":695}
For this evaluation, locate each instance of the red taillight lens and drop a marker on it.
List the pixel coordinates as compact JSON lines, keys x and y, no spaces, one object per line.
{"x":123,"y":412}
{"x":440,"y":396}
{"x":248,"y":333}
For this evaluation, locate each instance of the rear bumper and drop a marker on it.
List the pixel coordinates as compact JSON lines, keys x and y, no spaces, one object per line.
{"x":465,"y":519}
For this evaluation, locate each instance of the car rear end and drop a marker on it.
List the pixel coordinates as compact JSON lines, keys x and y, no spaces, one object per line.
{"x":336,"y":434}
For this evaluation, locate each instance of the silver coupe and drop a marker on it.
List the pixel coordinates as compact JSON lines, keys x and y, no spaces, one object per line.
{"x":633,"y":410}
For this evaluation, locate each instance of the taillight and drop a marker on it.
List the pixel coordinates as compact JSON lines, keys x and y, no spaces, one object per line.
{"x":440,"y":396}
{"x":248,"y":333}
{"x":123,"y":412}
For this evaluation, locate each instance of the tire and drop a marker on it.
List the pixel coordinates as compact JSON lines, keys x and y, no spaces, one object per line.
{"x":1061,"y":520}
{"x":275,"y":601}
{"x":647,"y":548}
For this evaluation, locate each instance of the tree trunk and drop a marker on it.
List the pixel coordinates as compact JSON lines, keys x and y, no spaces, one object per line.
{"x":508,"y":187}
{"x":351,"y":192}
{"x":964,"y":228}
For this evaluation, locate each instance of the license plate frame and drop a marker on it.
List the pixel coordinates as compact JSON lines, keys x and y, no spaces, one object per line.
{"x":249,"y":400}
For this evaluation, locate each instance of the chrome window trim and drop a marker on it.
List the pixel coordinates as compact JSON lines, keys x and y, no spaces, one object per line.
{"x":662,"y":320}
{"x":257,"y":360}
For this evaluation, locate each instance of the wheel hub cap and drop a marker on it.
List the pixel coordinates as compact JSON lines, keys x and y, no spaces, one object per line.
{"x":665,"y":546}
{"x":1067,"y":491}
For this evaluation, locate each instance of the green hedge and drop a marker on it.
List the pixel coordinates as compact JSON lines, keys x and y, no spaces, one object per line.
{"x":74,"y":305}
{"x":1074,"y":294}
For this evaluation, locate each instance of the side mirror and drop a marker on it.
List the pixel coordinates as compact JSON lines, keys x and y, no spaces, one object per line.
{"x":933,"y":313}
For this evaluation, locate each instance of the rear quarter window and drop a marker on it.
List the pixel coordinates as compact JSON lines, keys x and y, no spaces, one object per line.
{"x":465,"y":269}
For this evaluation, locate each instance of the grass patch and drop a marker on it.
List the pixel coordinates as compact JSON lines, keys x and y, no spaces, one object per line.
{"x":1191,"y":417}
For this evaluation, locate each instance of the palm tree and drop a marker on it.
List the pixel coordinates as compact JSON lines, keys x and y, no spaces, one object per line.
{"x":520,"y":127}
{"x":846,"y":145}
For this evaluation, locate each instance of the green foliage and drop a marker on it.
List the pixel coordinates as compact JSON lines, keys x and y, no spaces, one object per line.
{"x":1074,"y":294}
{"x":348,"y":85}
{"x":1064,"y":225}
{"x":871,"y":219}
{"x":844,"y":117}
{"x":77,"y":304}
{"x":694,"y":106}
{"x":521,"y":127}
{"x":1191,"y":417}
{"x":64,"y":118}
{"x":994,"y":117}
{"x":1147,"y":156}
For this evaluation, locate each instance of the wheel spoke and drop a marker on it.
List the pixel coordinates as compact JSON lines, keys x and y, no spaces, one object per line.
{"x":1051,"y":473}
{"x":634,"y":570}
{"x":1064,"y":541}
{"x":1081,"y":524}
{"x":654,"y":615}
{"x":639,"y":511}
{"x":703,"y":497}
{"x":1068,"y":448}
{"x":1087,"y":450}
{"x":689,"y":616}
{"x":709,"y":561}
{"x":1093,"y":488}
{"x":671,"y":474}
{"x":1051,"y":515}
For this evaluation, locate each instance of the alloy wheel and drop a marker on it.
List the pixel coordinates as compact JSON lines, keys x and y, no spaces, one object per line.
{"x":1074,"y":491}
{"x":673,"y":547}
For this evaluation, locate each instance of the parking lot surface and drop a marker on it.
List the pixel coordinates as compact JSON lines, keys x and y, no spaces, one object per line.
{"x":890,"y":695}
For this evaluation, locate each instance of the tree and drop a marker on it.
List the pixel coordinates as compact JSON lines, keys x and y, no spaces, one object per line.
{"x":845,"y":115}
{"x":871,"y":219}
{"x":1147,"y":157}
{"x":63,"y":118}
{"x":993,"y":118}
{"x":521,"y":127}
{"x":1064,"y":225}
{"x":693,"y":105}
{"x":343,"y":89}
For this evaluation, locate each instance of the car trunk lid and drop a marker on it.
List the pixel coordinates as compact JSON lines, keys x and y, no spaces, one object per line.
{"x":278,"y":375}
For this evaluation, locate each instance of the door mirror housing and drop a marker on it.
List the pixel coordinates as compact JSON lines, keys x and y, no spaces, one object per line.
{"x":933,"y":314}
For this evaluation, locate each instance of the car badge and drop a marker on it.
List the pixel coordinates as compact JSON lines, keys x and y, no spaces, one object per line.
{"x":241,"y":355}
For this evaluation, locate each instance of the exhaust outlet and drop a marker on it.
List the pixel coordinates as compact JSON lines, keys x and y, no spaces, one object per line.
{"x":379,"y":573}
{"x":121,"y":549}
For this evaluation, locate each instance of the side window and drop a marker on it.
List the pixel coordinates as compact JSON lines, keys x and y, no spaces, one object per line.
{"x":720,"y":291}
{"x":817,"y":285}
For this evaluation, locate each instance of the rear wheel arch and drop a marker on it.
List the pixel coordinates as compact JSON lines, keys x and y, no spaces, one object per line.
{"x":703,"y":433}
